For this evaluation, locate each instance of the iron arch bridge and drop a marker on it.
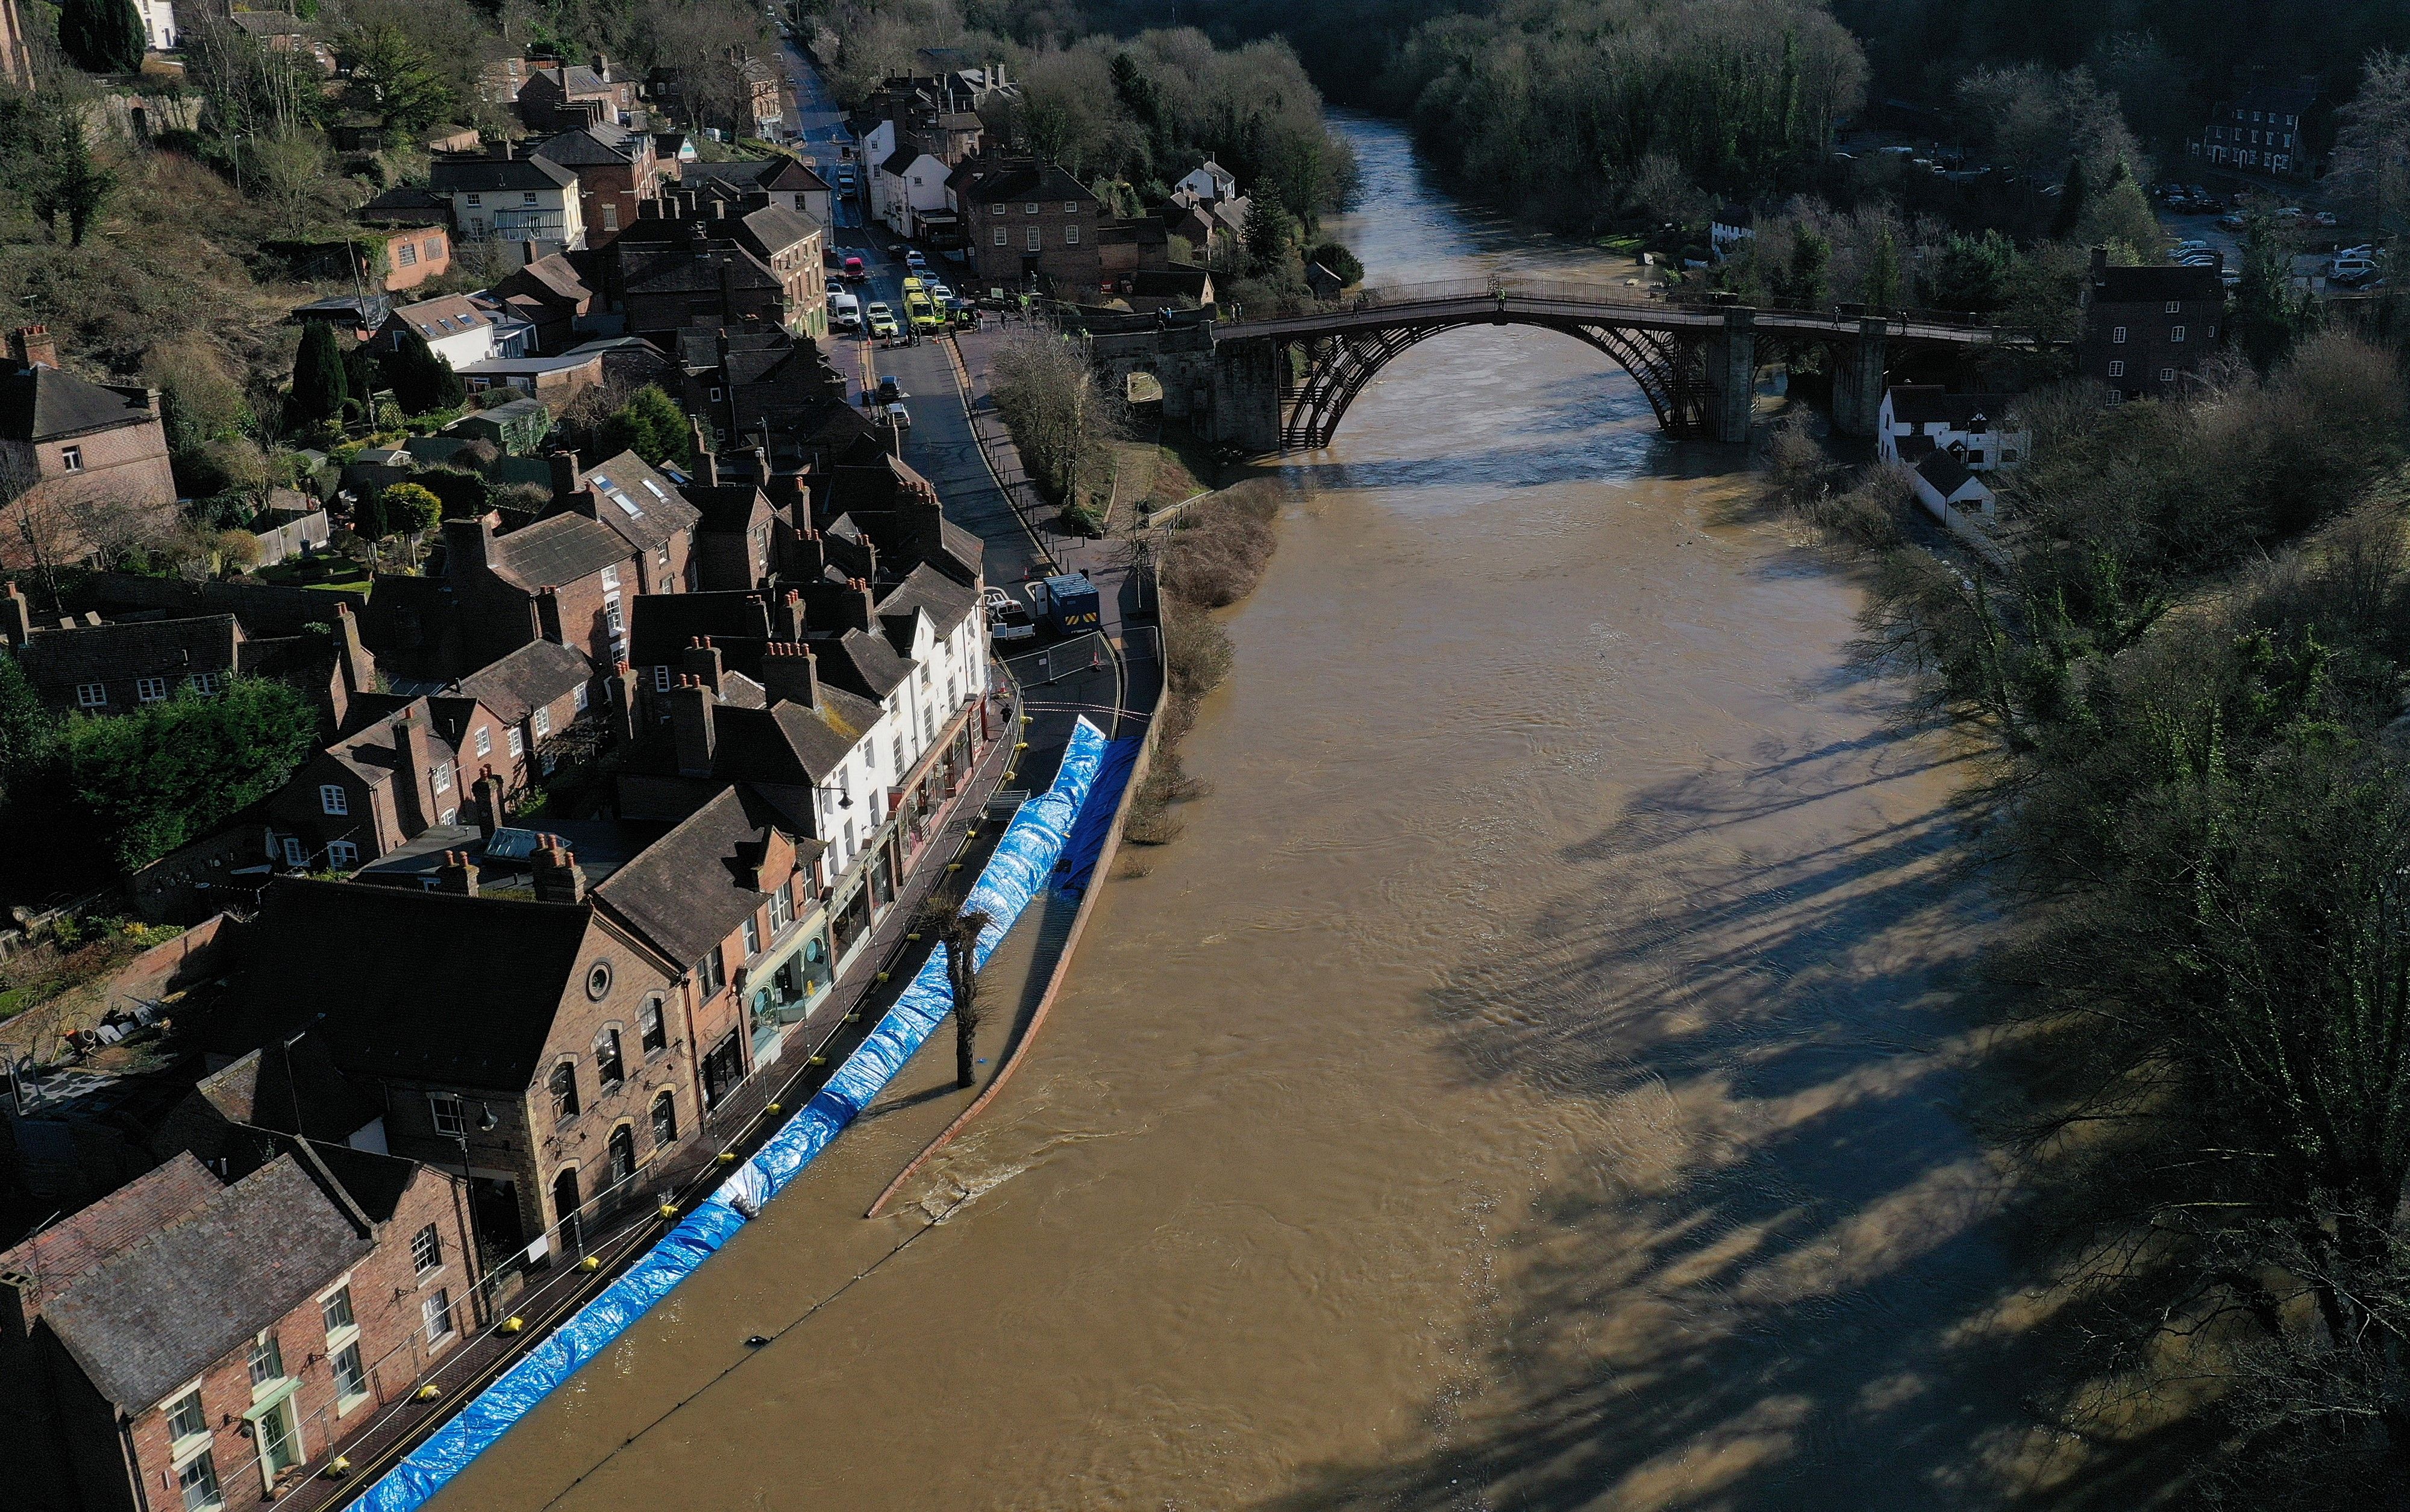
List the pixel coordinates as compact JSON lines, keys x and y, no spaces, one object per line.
{"x":1696,"y":364}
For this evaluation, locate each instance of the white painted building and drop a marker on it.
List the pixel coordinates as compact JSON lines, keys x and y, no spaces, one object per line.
{"x":158,"y":25}
{"x":1920,"y":419}
{"x":1210,"y":182}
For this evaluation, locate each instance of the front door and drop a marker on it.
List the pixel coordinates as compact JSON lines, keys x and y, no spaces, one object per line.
{"x":279,"y":1445}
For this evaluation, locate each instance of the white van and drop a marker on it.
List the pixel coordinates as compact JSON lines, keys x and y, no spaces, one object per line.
{"x":845,"y":311}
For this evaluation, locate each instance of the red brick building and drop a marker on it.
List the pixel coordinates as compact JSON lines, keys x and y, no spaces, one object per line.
{"x":617,"y":172}
{"x":542,"y":1042}
{"x":193,"y":1341}
{"x":95,"y":453}
{"x":2147,"y":330}
{"x":1029,"y":224}
{"x":563,"y":579}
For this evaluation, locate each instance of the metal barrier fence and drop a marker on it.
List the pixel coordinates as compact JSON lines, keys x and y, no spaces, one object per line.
{"x":584,"y":1254}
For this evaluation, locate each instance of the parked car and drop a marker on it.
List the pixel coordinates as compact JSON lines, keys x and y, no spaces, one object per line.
{"x":900,"y":418}
{"x":913,"y":286}
{"x":2326,"y":217}
{"x":923,"y":316}
{"x":845,"y":311}
{"x":855,"y":268}
{"x":882,"y":321}
{"x":1004,"y":609}
{"x":2190,"y":245}
{"x":913,"y":260}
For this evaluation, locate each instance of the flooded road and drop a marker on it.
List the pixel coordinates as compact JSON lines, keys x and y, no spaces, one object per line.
{"x":1532,"y":1080}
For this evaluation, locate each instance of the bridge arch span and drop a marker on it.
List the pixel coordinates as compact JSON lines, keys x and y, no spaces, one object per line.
{"x":1328,"y":373}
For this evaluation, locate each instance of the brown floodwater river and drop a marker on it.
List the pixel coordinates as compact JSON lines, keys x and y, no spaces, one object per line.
{"x":1536,"y":1079}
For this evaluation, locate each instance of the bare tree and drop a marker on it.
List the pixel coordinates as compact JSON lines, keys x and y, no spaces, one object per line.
{"x":958,"y":930}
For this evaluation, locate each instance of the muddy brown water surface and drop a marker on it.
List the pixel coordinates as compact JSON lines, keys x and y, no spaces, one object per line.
{"x":1533,"y":1081}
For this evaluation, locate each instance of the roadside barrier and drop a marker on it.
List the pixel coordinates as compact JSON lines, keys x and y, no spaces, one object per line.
{"x":1023,"y":860}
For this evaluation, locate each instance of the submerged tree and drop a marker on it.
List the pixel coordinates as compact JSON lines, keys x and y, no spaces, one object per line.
{"x":958,"y":930}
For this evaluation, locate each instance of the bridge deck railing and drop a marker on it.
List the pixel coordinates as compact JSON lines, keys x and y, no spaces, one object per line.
{"x":1597,"y":295}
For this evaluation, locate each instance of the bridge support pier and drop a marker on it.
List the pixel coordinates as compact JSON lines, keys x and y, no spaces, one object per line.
{"x":1731,"y":376}
{"x":1858,"y":381}
{"x":1246,"y":407}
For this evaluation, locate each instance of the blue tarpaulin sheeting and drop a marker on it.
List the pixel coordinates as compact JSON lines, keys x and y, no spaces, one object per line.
{"x":1024,"y":859}
{"x":1087,"y":842}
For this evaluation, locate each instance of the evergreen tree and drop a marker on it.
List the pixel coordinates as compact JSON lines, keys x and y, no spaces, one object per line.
{"x":421,"y":380}
{"x":1804,"y":284}
{"x":1881,"y":291}
{"x":2073,"y":190}
{"x":29,"y":734}
{"x":362,"y":377}
{"x":103,"y":36}
{"x":320,"y":381}
{"x":1270,"y":229}
{"x":652,"y":425}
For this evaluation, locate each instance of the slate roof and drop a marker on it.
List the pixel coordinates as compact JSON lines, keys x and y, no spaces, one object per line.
{"x":783,"y":174}
{"x":726,"y":510}
{"x":190,"y":1295}
{"x":1930,"y":404}
{"x":552,"y":274}
{"x":947,"y":601}
{"x":653,"y":510}
{"x":1945,"y":473}
{"x":61,"y":659}
{"x":786,"y":743}
{"x":862,"y":663}
{"x":295,"y":1089}
{"x":42,"y":404}
{"x":450,"y":174}
{"x":684,"y":894}
{"x":660,"y":626}
{"x":771,"y":230}
{"x":485,"y":976}
{"x":1010,"y":179}
{"x":529,"y":678}
{"x":692,"y":269}
{"x":596,"y":146}
{"x":53,"y":1258}
{"x":557,"y":549}
{"x":2157,"y":286}
{"x":405,"y":205}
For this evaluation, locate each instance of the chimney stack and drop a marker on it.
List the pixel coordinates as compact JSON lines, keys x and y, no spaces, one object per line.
{"x":787,"y":615}
{"x":31,"y":347}
{"x":556,"y":873}
{"x":791,"y":674}
{"x":458,"y":874}
{"x":690,"y":712}
{"x":706,"y":461}
{"x":529,"y":251}
{"x":468,"y":543}
{"x":862,"y":610}
{"x":415,"y":750}
{"x":358,"y":667}
{"x":567,"y":477}
{"x":704,"y":664}
{"x":485,"y":802}
{"x":623,"y":704}
{"x":16,"y":618}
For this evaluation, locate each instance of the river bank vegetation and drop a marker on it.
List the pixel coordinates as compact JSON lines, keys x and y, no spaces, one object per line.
{"x":2191,"y":659}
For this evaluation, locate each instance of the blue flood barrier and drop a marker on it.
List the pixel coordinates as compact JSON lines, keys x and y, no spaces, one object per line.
{"x":1086,"y":844}
{"x":1023,"y":860}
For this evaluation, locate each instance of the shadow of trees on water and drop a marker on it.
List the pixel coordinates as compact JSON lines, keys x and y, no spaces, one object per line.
{"x":1773,"y":1268}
